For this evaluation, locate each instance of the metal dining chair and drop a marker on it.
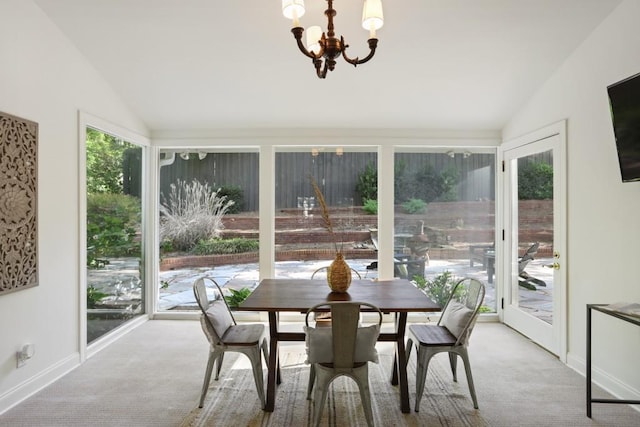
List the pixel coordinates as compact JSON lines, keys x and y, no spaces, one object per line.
{"x":225,"y":335}
{"x":451,"y":334}
{"x":345,"y":349}
{"x":324,"y":318}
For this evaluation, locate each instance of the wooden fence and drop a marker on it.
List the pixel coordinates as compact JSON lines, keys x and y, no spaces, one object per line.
{"x":336,"y":175}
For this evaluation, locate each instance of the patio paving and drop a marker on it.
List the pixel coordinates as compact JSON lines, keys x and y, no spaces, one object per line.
{"x":178,"y":293}
{"x":119,"y":278}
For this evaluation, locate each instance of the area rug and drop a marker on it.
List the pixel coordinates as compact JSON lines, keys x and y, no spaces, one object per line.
{"x":233,"y":400}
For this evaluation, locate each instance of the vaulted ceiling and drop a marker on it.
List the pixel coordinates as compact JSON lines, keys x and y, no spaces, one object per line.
{"x":440,"y":64}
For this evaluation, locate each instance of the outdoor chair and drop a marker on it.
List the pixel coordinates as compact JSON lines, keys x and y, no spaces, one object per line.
{"x":225,"y":335}
{"x":345,"y":349}
{"x":409,"y":267}
{"x":525,"y":279}
{"x":451,"y":334}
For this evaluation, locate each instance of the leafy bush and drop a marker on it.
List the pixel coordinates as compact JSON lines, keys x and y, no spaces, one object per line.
{"x":367,"y":185}
{"x":439,"y":288}
{"x":403,"y":184}
{"x":94,"y":296}
{"x":225,"y":246}
{"x":237,"y":296}
{"x":431,"y":186}
{"x":193,"y":212}
{"x":234,"y":193}
{"x":535,"y":181}
{"x":104,"y":162}
{"x":414,"y":206}
{"x":370,"y":207}
{"x":112,"y":224}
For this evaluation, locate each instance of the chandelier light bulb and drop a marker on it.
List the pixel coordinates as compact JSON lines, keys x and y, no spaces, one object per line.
{"x":293,"y":9}
{"x":314,"y":34}
{"x":372,"y":16}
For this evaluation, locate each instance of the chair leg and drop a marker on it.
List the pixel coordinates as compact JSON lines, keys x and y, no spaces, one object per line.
{"x":312,"y":379}
{"x":467,"y":368}
{"x":207,"y":376}
{"x":362,"y":378}
{"x":408,"y":348}
{"x":265,"y":350}
{"x":453,"y":361}
{"x":219,"y":366}
{"x":424,"y":356}
{"x":256,"y":364}
{"x":320,"y":395}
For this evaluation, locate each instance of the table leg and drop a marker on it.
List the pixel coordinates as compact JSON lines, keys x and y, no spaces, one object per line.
{"x":273,"y":375}
{"x":401,"y":362}
{"x":588,"y":368}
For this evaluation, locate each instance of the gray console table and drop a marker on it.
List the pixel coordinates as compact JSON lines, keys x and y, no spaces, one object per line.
{"x":602,"y":308}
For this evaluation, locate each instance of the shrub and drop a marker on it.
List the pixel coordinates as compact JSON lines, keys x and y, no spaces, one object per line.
{"x":237,"y":296}
{"x":439,"y":288}
{"x":370,"y":207}
{"x":431,"y":186}
{"x":112,"y":224}
{"x":193,"y":212}
{"x":535,"y":181}
{"x":225,"y":246}
{"x":94,"y":296}
{"x":235,"y":194}
{"x":414,"y":206}
{"x":367,"y":185}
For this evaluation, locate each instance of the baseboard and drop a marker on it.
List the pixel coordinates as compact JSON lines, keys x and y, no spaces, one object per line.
{"x":602,"y":379}
{"x":36,"y":383}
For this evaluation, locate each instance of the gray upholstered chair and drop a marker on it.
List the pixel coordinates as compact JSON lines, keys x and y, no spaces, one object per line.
{"x":225,"y":335}
{"x":344,"y":349}
{"x":451,"y":334}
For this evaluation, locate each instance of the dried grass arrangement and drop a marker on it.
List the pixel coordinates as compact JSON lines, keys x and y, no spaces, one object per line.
{"x":339,"y":272}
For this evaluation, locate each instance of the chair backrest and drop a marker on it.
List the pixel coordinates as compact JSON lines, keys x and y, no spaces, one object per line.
{"x":216,"y":315}
{"x":532,"y":251}
{"x":461,"y":310}
{"x":408,"y":269}
{"x":324,"y":269}
{"x":346,"y":343}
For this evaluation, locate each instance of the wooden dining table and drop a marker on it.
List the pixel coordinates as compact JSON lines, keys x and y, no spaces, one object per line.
{"x":398,"y":296}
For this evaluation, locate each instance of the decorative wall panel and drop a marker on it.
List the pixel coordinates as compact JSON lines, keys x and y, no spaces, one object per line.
{"x":18,"y":197}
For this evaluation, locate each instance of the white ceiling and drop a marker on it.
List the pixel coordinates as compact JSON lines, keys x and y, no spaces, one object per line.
{"x":440,"y":64}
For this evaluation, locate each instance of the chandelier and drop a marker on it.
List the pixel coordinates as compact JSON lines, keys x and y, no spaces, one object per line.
{"x":325,"y":48}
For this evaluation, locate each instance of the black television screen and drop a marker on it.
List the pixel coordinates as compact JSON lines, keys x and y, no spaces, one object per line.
{"x":624,"y":100}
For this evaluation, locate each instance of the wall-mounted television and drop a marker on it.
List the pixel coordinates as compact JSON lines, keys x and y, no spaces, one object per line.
{"x":624,"y":100}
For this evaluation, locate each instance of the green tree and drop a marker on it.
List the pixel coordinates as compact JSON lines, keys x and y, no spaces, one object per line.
{"x":104,"y":162}
{"x":367,"y":185}
{"x":535,"y":181}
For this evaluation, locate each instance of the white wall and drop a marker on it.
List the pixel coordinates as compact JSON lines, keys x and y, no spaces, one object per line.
{"x":44,"y":79}
{"x":603,"y":213}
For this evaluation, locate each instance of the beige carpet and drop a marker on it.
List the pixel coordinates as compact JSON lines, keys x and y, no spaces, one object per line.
{"x":448,"y":403}
{"x":152,"y":377}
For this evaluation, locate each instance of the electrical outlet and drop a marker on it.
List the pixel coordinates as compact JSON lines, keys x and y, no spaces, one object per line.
{"x":24,"y":354}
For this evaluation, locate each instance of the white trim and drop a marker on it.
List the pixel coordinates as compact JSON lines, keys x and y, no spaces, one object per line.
{"x":87,"y":120}
{"x":31,"y":386}
{"x":525,"y":144}
{"x":602,"y":379}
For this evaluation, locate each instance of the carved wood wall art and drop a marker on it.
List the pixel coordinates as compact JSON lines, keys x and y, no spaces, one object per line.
{"x":18,"y":198}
